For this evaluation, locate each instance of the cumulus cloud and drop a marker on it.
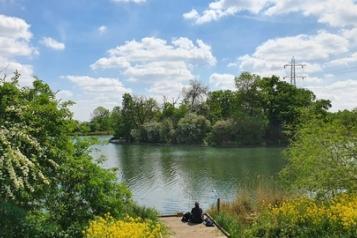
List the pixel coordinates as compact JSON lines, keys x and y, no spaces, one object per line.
{"x":52,"y":43}
{"x":326,"y":56}
{"x":222,"y":8}
{"x":331,"y":12}
{"x":342,"y":94}
{"x":312,"y":50}
{"x":152,"y":60}
{"x":221,"y":81}
{"x":98,"y":85}
{"x":102,"y":29}
{"x":15,"y":36}
{"x":94,"y":92}
{"x":64,"y":95}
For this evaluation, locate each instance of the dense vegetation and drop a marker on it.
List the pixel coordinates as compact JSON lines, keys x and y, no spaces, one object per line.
{"x":51,"y":187}
{"x":319,"y":193}
{"x":49,"y":184}
{"x":261,"y":111}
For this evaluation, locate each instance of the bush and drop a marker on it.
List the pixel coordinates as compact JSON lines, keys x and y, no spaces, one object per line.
{"x":192,"y":129}
{"x":49,"y":184}
{"x":167,"y":131}
{"x":107,"y":226}
{"x":304,"y":217}
{"x":222,"y":133}
{"x":322,"y":158}
{"x":229,"y":222}
{"x":152,"y":132}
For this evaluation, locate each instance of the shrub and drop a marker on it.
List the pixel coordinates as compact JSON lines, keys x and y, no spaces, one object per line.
{"x":152,"y":132}
{"x":304,"y":217}
{"x":222,"y":133}
{"x":192,"y":129}
{"x":167,"y":131}
{"x":107,"y":226}
{"x":322,"y":158}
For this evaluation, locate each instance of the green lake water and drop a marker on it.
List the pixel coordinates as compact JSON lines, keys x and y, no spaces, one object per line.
{"x":172,"y":178}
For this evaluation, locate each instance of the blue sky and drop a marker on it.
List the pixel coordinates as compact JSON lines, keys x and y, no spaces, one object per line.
{"x":94,"y":51}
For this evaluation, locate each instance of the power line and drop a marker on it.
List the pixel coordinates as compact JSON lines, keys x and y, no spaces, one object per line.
{"x":293,"y":76}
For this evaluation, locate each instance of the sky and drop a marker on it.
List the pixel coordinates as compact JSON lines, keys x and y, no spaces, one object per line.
{"x":94,"y":51}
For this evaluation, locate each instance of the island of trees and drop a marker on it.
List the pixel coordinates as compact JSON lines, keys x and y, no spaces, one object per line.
{"x":260,"y":111}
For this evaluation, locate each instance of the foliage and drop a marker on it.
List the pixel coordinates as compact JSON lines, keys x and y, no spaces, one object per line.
{"x":192,"y":129}
{"x":194,"y":94}
{"x":101,"y":120}
{"x":322,"y":158}
{"x":167,"y":131}
{"x":222,"y":133}
{"x":303,"y":217}
{"x":49,"y":184}
{"x":107,"y":226}
{"x":261,"y":111}
{"x":237,"y":215}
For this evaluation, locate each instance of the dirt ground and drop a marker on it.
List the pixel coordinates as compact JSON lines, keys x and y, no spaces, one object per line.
{"x":179,"y":229}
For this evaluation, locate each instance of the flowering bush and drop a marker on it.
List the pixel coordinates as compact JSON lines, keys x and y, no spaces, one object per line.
{"x":108,"y":227}
{"x":304,"y":217}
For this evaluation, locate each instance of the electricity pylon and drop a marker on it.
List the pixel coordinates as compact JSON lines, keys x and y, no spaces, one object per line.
{"x":293,"y":75}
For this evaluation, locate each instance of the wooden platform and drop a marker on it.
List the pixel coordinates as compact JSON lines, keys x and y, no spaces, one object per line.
{"x":179,"y":229}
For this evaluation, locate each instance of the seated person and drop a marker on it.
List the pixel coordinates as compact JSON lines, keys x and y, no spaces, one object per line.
{"x":196,"y":214}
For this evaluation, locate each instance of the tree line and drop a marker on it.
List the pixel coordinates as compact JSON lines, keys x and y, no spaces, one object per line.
{"x":259,"y":111}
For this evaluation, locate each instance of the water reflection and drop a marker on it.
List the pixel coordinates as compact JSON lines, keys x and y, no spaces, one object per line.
{"x":171,"y":178}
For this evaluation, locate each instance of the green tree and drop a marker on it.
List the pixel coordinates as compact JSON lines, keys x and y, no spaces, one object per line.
{"x":192,"y":129}
{"x":49,"y":184}
{"x":281,"y":103}
{"x":125,"y":122}
{"x":223,"y":132}
{"x":194,"y":94}
{"x":101,"y":120}
{"x":222,"y":104}
{"x":322,"y":157}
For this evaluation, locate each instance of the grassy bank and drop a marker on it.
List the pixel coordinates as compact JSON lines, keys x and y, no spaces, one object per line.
{"x":273,"y":213}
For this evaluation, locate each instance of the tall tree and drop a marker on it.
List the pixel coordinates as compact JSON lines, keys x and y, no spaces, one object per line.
{"x":194,"y":94}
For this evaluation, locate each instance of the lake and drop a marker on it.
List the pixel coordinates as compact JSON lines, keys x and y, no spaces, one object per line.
{"x":171,"y":178}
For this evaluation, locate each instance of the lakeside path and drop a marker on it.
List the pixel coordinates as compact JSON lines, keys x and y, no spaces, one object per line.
{"x":180,"y":229}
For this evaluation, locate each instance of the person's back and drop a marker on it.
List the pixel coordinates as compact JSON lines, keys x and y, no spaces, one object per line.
{"x":196,"y":214}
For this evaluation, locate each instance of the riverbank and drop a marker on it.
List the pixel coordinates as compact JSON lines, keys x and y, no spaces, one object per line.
{"x":179,"y":229}
{"x":95,"y":133}
{"x":289,"y":216}
{"x":123,"y":142}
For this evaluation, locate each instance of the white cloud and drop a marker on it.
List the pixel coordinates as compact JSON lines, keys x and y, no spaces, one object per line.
{"x":129,"y":1}
{"x":342,"y":94}
{"x":64,"y":95}
{"x":335,"y":13}
{"x":102,"y":29}
{"x":344,"y":61}
{"x":98,"y":85}
{"x":13,"y":27}
{"x":153,"y":59}
{"x":52,"y":43}
{"x":312,"y":50}
{"x":95,"y":92}
{"x":222,"y":8}
{"x":332,"y":12}
{"x":168,"y":88}
{"x":15,"y":36}
{"x":221,"y":81}
{"x":322,"y":53}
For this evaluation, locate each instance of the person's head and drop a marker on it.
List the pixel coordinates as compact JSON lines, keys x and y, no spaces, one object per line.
{"x":197,"y":204}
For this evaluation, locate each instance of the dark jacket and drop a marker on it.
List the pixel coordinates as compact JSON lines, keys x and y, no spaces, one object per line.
{"x":196,"y":215}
